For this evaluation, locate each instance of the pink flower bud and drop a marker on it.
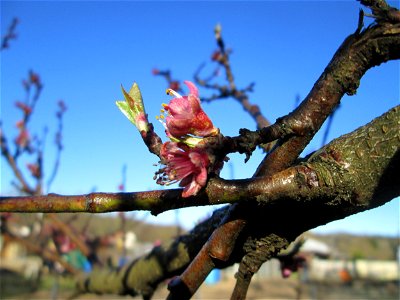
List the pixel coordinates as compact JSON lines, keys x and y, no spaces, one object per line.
{"x":175,"y":85}
{"x":23,"y":138}
{"x":34,"y":169}
{"x":185,"y":115}
{"x":34,"y":78}
{"x":25,"y":108}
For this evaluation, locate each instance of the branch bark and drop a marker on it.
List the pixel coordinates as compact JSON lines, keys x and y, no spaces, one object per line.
{"x":359,"y":52}
{"x":334,"y":182}
{"x":144,"y":274}
{"x":356,"y":172}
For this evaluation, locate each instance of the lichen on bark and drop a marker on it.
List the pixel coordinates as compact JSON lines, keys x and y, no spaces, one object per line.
{"x":355,"y":163}
{"x":143,"y":275}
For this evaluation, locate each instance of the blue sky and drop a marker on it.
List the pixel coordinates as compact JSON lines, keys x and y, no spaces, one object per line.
{"x":84,"y":51}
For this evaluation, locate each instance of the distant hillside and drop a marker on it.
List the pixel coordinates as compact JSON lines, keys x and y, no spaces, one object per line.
{"x":342,"y":245}
{"x":103,"y":224}
{"x":99,"y":225}
{"x":365,"y":247}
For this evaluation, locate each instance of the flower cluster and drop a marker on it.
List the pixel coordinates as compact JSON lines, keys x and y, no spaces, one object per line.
{"x":185,"y":158}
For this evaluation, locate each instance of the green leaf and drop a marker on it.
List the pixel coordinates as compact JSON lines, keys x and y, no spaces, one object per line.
{"x":136,"y":95}
{"x":126,"y":110}
{"x":133,"y":106}
{"x":129,"y":100}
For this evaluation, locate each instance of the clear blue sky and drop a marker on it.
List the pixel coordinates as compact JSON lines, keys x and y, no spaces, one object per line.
{"x":83,"y":51}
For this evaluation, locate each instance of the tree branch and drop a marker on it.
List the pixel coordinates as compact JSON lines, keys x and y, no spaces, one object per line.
{"x":285,"y":194}
{"x":358,"y":53}
{"x":336,"y":181}
{"x":328,"y":182}
{"x":319,"y":177}
{"x":343,"y":68}
{"x":143,"y":275}
{"x":10,"y":35}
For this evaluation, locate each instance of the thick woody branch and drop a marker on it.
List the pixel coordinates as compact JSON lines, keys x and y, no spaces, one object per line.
{"x":336,"y":181}
{"x":358,"y":53}
{"x":213,"y":254}
{"x":154,"y":201}
{"x":263,"y":189}
{"x":339,"y":167}
{"x":331,"y":182}
{"x":381,"y":11}
{"x":347,"y":168}
{"x":356,"y":172}
{"x":143,"y":275}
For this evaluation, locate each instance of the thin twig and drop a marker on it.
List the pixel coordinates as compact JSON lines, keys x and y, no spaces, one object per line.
{"x":58,"y":143}
{"x":10,"y":35}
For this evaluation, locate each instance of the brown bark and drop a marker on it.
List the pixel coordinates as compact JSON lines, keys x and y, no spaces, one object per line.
{"x":331,"y":184}
{"x":144,"y":274}
{"x":355,"y":172}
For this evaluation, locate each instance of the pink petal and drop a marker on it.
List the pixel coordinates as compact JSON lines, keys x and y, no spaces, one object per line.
{"x":194,"y":103}
{"x":191,"y":189}
{"x":201,"y":178}
{"x":176,"y":131}
{"x":192,"y":88}
{"x":177,"y":122}
{"x":178,"y":106}
{"x":198,"y":159}
{"x":166,"y":148}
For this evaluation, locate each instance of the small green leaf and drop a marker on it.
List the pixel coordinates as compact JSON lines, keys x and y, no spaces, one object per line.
{"x":129,"y":100}
{"x":135,"y":94}
{"x":133,"y":108}
{"x":126,"y":110}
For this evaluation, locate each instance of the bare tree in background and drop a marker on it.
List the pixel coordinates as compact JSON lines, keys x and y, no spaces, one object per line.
{"x":25,"y":156}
